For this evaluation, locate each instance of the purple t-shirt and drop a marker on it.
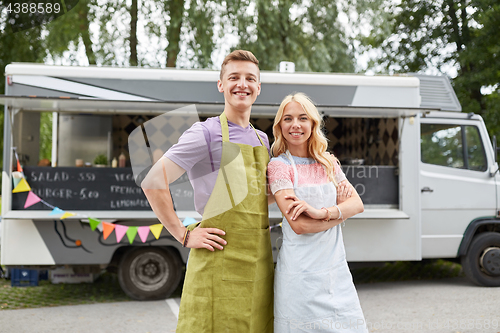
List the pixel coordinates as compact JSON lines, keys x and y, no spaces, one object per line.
{"x":199,"y":153}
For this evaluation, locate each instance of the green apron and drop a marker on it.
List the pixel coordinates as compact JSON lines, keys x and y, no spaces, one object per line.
{"x":232,"y":290}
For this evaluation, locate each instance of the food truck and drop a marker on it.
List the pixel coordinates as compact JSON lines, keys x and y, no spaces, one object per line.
{"x":426,"y":172}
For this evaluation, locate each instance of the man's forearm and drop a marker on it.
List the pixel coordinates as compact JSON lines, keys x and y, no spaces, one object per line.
{"x":157,"y":191}
{"x":162,"y":205}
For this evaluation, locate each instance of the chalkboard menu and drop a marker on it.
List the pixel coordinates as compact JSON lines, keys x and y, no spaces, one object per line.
{"x":82,"y":189}
{"x":375,"y":184}
{"x":71,"y":188}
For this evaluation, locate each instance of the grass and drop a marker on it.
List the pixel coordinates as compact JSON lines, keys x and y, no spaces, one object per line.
{"x":107,"y":289}
{"x":408,"y":270}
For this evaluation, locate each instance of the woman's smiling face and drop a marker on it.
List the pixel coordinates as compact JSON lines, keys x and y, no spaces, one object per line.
{"x":296,"y":127}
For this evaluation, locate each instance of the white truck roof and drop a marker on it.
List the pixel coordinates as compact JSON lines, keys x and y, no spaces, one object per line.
{"x":175,"y":87}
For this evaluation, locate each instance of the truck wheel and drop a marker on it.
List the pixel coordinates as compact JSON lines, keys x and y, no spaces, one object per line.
{"x":481,"y":264}
{"x":149,"y":273}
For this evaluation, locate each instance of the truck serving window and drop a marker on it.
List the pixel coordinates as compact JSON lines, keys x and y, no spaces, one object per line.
{"x":455,"y":146}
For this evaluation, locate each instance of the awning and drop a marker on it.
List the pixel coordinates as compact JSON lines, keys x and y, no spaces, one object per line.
{"x":87,"y":105}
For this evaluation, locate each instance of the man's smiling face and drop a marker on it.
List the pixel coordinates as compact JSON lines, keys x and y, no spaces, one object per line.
{"x":240,"y":84}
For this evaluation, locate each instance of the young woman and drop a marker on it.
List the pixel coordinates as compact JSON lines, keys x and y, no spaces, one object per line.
{"x":313,"y":288}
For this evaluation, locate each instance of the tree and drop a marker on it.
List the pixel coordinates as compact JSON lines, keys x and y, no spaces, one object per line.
{"x":444,"y":35}
{"x":25,"y":45}
{"x":161,"y":32}
{"x":201,"y":23}
{"x":133,"y":61}
{"x":308,"y":34}
{"x":175,"y":10}
{"x":66,"y":32}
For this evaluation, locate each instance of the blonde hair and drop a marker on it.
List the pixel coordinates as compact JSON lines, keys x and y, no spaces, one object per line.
{"x":241,"y":55}
{"x":317,"y":142}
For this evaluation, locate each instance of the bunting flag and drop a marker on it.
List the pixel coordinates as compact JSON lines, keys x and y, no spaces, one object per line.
{"x":31,"y":200}
{"x":188,"y":220}
{"x":94,"y":223}
{"x":16,"y":181}
{"x":107,"y":229}
{"x":16,"y":177}
{"x":22,"y":186}
{"x":143,"y":233}
{"x":120,"y":231}
{"x":156,"y":229}
{"x":131,"y":232}
{"x":56,"y":211}
{"x":66,"y":215}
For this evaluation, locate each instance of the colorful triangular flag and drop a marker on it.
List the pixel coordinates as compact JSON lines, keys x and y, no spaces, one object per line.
{"x":143,"y":233}
{"x":66,"y":215}
{"x":188,"y":220}
{"x":131,"y":232}
{"x":22,"y":186}
{"x":107,"y":229}
{"x":56,"y":211}
{"x":120,"y":231}
{"x":16,"y":177}
{"x":31,"y":199}
{"x":19,"y":166}
{"x":93,"y":223}
{"x":156,"y":229}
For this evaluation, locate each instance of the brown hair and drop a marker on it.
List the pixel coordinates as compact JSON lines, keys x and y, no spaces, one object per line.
{"x":241,"y":55}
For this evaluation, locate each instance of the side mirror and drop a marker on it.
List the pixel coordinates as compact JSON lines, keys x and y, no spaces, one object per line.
{"x":493,"y":169}
{"x":495,"y":149}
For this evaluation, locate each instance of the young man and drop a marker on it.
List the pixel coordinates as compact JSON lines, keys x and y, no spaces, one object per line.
{"x":229,"y":279}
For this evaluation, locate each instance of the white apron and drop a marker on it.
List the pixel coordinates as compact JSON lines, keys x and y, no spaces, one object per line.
{"x":313,"y":288}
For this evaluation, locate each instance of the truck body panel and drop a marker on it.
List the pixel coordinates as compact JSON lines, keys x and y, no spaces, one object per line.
{"x":424,"y":170}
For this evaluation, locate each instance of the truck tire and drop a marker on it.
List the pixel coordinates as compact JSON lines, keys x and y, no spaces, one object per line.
{"x":481,"y":264}
{"x":149,"y":273}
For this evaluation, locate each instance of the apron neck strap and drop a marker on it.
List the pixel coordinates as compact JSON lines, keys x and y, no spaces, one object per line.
{"x":225,"y":129}
{"x":260,"y":139}
{"x":295,"y":173}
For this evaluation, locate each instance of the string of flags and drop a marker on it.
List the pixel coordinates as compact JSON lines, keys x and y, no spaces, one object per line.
{"x":21,"y":185}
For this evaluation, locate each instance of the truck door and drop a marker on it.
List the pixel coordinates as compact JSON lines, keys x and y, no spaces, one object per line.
{"x":455,"y":183}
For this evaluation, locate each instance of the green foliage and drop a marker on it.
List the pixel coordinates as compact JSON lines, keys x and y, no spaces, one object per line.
{"x":442,"y":145}
{"x":111,"y":47}
{"x":67,"y":31}
{"x":444,"y":34}
{"x":200,"y":21}
{"x":46,"y":135}
{"x":101,"y":159}
{"x":407,"y":271}
{"x":175,"y":11}
{"x":290,"y":30}
{"x":306,"y":33}
{"x":26,"y":46}
{"x":105,"y":289}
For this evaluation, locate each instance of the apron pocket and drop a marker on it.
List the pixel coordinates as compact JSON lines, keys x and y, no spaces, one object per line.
{"x":246,"y":249}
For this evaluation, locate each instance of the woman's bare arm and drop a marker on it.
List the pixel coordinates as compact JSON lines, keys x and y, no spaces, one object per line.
{"x":270,"y":196}
{"x":298,"y":212}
